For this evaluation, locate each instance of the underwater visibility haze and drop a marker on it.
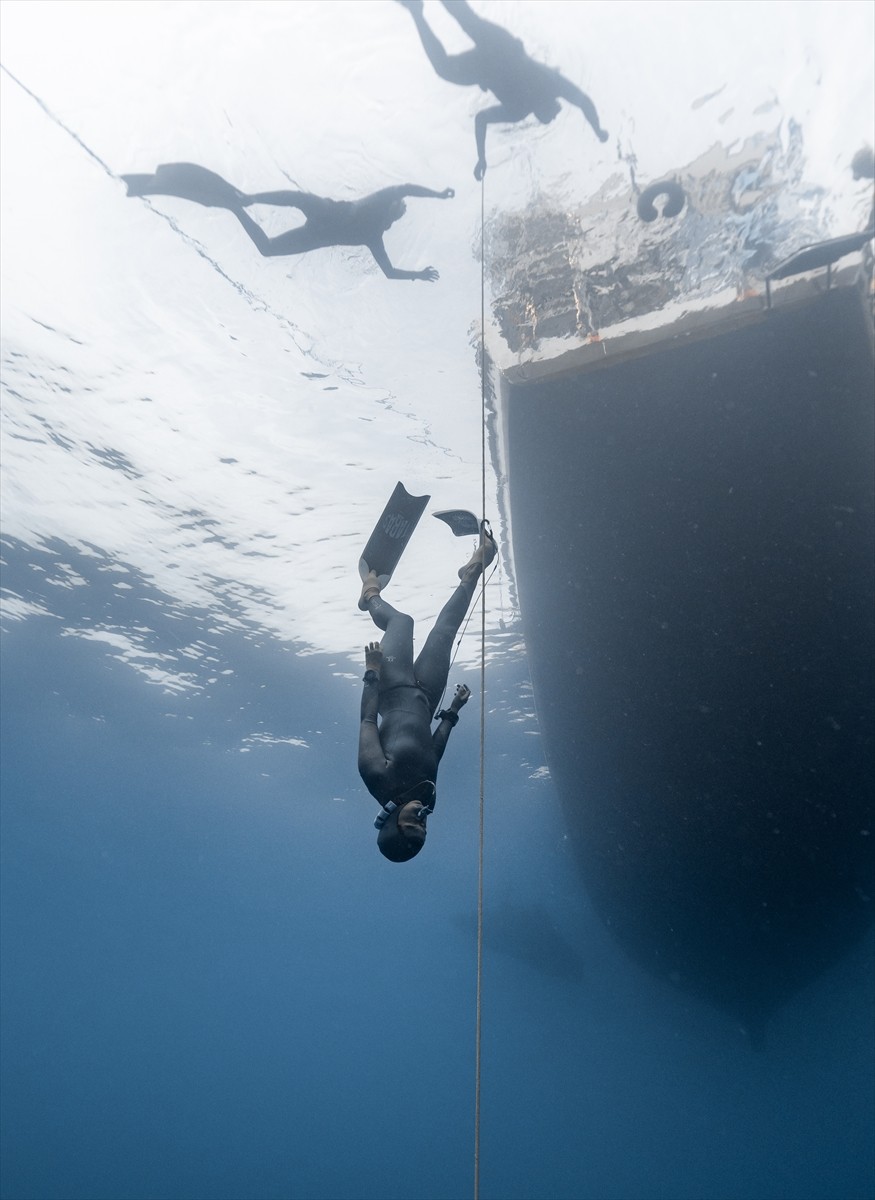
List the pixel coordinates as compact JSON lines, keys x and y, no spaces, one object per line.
{"x":213,"y":985}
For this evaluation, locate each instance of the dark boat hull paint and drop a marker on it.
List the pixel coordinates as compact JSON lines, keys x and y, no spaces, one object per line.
{"x":693,"y":542}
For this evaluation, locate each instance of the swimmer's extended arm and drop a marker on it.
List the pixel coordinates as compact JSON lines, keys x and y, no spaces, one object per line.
{"x":382,"y":258}
{"x":413,"y":189}
{"x":486,"y":116}
{"x":572,"y":93}
{"x":400,"y":190}
{"x":372,"y":759}
{"x":441,"y":735}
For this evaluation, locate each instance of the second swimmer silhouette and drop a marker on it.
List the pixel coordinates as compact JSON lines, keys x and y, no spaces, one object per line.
{"x":499,"y":64}
{"x":328,"y":222}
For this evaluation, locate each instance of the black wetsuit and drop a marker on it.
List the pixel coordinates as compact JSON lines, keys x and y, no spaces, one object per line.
{"x":402,"y":751}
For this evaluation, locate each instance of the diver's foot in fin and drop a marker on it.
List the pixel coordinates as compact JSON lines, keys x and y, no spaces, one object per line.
{"x":137,"y":185}
{"x":370,"y":588}
{"x":187,"y":181}
{"x":484,"y":555}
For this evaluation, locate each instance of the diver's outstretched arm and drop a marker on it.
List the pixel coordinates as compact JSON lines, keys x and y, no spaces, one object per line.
{"x":382,"y":258}
{"x":572,"y":93}
{"x":400,"y":190}
{"x":489,"y":116}
{"x":413,"y":189}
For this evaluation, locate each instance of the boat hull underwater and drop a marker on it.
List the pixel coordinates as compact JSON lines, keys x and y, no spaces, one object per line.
{"x":692,"y":517}
{"x":693,"y":536}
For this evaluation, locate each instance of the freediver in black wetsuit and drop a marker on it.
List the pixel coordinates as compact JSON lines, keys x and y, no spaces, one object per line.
{"x":499,"y":64}
{"x":328,"y":222}
{"x":398,"y":758}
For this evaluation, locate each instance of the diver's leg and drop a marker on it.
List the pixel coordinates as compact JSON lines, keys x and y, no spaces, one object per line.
{"x":483,"y":556}
{"x":397,"y":643}
{"x":296,"y":241}
{"x":432,"y":665}
{"x":477,"y":28}
{"x":308,"y":204}
{"x":455,"y":68}
{"x":572,"y":93}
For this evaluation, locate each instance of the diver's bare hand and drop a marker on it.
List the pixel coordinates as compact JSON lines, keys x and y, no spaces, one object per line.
{"x":446,"y":194}
{"x":480,"y":169}
{"x":373,"y":657}
{"x":461,"y":698}
{"x":429,"y":274}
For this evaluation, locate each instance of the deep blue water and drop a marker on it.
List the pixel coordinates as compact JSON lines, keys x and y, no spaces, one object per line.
{"x":214,"y":987}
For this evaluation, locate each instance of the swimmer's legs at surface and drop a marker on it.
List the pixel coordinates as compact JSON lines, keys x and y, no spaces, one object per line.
{"x":455,"y":68}
{"x":306,"y":202}
{"x":296,"y":241}
{"x":476,"y":27}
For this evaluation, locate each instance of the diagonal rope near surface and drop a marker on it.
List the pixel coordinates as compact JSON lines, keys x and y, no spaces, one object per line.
{"x":479,"y":1022}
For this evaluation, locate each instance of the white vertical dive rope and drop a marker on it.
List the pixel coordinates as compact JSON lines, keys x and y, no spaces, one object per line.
{"x":482,"y":698}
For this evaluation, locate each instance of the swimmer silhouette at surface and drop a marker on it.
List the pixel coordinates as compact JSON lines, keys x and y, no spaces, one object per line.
{"x":327,"y":222}
{"x":499,"y":64}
